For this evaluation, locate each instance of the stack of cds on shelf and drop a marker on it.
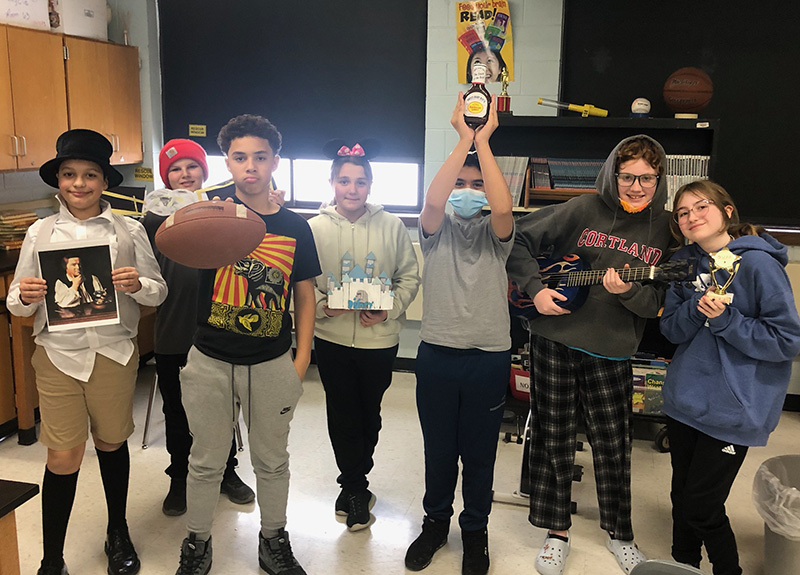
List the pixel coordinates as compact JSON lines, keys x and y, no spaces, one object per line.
{"x":575,"y":173}
{"x":683,"y":169}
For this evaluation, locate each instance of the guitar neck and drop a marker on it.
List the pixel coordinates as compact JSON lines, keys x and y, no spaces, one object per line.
{"x":594,"y":277}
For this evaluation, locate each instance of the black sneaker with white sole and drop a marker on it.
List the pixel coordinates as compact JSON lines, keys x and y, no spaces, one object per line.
{"x":358,"y":506}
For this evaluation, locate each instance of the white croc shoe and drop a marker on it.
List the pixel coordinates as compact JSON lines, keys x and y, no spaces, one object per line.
{"x":626,"y":552}
{"x":553,"y":556}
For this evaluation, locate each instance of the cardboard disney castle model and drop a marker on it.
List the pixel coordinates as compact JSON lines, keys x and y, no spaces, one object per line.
{"x":359,"y":290}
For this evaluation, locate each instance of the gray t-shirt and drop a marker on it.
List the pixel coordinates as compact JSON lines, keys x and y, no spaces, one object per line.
{"x":464,"y":280}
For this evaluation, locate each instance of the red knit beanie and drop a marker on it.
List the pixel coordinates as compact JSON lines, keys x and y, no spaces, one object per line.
{"x":179,"y":149}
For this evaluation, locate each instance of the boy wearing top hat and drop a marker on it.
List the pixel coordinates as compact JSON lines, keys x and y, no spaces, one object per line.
{"x":86,"y":376}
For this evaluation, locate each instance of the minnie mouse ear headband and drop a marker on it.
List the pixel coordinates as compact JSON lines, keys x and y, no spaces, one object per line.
{"x":81,"y":145}
{"x":338,"y":148}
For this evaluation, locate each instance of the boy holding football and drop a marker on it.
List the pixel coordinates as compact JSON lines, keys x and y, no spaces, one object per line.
{"x":242,"y":353}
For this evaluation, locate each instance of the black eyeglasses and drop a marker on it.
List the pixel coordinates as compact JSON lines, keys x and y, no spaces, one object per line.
{"x":700,"y":209}
{"x":645,"y":180}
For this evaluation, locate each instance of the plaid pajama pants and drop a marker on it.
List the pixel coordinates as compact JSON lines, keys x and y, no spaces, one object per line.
{"x":566,"y":382}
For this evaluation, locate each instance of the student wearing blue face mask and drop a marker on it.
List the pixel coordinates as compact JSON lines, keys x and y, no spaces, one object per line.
{"x":464,"y":359}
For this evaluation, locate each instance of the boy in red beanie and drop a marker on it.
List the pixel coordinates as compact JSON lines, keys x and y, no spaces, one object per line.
{"x":183,"y":167}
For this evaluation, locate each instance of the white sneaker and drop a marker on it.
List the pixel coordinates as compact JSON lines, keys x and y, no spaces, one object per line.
{"x":553,"y":556}
{"x":626,"y":552}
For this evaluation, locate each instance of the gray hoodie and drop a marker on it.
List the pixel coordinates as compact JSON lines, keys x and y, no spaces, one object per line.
{"x":596,"y":228}
{"x":382,"y":237}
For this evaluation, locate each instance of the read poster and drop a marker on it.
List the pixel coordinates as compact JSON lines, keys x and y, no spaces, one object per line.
{"x":483,"y":30}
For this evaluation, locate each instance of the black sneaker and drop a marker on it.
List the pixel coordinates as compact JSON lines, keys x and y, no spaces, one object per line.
{"x":175,"y":501}
{"x":195,"y":556}
{"x":275,"y":555}
{"x":433,"y":537}
{"x":358,"y":506}
{"x":122,"y":558}
{"x":342,"y":506}
{"x":59,"y":568}
{"x":235,"y":489}
{"x":476,"y":552}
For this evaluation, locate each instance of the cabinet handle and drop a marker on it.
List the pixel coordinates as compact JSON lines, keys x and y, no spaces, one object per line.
{"x":15,"y":142}
{"x":24,"y":146}
{"x":115,"y":140}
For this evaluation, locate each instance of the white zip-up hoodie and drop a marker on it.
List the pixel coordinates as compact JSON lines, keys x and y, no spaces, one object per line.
{"x":382,"y":234}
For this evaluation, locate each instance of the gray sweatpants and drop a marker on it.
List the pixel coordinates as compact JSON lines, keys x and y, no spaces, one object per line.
{"x":213,"y":392}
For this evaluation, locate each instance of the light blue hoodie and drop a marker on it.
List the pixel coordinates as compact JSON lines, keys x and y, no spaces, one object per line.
{"x":729,"y":375}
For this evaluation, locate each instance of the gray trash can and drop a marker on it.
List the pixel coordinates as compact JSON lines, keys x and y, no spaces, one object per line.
{"x":776,"y":494}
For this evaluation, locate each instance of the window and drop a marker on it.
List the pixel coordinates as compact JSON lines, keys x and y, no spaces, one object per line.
{"x":396,"y":185}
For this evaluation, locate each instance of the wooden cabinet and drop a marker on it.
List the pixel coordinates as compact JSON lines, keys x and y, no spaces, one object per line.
{"x":103,"y":94}
{"x":33,"y":96}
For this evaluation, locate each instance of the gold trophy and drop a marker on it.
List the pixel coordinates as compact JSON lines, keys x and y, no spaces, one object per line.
{"x":504,"y":100}
{"x":725,"y":260}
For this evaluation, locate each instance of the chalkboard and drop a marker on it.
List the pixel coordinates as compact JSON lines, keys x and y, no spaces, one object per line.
{"x":614,"y":52}
{"x":317,"y":69}
{"x":27,"y":13}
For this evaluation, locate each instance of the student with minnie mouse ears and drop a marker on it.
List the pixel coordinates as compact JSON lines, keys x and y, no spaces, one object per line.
{"x":356,"y":340}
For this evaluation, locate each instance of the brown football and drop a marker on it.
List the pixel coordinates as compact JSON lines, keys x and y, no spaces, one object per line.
{"x":210,"y":234}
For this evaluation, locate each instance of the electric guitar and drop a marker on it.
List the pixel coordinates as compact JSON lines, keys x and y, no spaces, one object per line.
{"x":572,"y":277}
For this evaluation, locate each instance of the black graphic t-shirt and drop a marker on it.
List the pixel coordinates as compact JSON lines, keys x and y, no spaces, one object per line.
{"x":243,"y":311}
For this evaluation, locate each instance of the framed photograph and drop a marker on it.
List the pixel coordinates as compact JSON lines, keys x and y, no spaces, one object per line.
{"x":79,"y":289}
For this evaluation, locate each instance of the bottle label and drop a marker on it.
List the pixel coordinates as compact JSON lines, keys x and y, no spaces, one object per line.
{"x":475,"y":105}
{"x":478,"y":73}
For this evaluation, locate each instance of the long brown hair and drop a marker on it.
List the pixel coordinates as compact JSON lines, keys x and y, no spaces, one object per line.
{"x":719,"y":197}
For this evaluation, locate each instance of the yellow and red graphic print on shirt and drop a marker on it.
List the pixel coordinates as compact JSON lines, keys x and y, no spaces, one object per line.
{"x":250,"y":296}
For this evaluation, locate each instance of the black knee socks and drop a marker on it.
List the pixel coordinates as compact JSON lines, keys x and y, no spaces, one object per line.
{"x":58,"y":495}
{"x":115,"y":468}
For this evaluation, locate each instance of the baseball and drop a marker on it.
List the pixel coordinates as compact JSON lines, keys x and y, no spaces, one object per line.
{"x":640,"y":106}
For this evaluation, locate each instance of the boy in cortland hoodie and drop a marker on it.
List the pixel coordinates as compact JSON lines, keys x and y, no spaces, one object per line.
{"x":586,"y":353}
{"x":355,"y":348}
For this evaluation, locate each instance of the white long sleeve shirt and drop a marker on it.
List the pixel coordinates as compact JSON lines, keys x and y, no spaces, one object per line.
{"x":73,"y":351}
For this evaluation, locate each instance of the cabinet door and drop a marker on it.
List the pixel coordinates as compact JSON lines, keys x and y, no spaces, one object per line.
{"x":8,"y":145}
{"x":89,"y":86}
{"x":38,"y":91}
{"x":123,"y":62}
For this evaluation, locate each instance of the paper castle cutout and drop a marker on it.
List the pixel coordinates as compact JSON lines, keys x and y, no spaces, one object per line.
{"x":359,"y":290}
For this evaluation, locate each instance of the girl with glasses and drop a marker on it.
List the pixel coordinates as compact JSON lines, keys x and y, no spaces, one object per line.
{"x":581,"y":358}
{"x":727,"y":381}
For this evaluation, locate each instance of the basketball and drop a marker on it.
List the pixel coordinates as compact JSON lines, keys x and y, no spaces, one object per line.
{"x":210,"y":234}
{"x":688,"y":90}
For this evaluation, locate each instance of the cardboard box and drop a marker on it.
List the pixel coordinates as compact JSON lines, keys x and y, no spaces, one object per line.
{"x":29,"y":14}
{"x":86,"y":18}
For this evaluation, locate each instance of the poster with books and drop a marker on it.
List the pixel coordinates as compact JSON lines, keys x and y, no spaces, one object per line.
{"x":483,"y":30}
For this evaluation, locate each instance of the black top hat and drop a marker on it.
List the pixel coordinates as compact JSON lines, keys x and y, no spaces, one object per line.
{"x":81,"y":145}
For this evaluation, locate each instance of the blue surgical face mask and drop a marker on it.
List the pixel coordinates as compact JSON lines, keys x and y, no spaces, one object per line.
{"x":467,"y":202}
